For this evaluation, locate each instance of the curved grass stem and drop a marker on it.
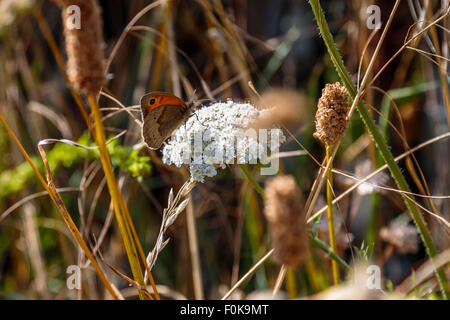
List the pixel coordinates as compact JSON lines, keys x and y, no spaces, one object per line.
{"x":58,"y":202}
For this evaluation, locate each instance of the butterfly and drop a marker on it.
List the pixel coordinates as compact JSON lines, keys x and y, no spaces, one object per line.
{"x":162,"y":113}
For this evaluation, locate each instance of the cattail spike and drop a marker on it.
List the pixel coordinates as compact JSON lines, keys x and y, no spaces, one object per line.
{"x":85,"y":60}
{"x":286,"y":218}
{"x":331,"y":115}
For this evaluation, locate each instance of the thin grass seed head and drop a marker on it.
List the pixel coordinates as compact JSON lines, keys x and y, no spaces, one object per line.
{"x":85,"y":59}
{"x":285,"y":214}
{"x":331,"y":115}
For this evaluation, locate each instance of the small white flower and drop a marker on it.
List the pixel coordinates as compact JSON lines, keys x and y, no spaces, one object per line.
{"x":217,"y":135}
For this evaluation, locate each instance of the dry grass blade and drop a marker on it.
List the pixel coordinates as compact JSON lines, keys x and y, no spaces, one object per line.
{"x":280,"y":279}
{"x":424,"y":272}
{"x":130,"y":281}
{"x":193,"y":248}
{"x":365,"y":179}
{"x":172,"y":58}
{"x":21,"y":202}
{"x":247,"y":275}
{"x":412,"y":39}
{"x":51,"y":189}
{"x":59,"y":203}
{"x":128,"y":28}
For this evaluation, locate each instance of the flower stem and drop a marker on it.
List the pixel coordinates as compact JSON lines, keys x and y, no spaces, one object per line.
{"x":331,"y":235}
{"x":291,"y":283}
{"x":252,"y":179}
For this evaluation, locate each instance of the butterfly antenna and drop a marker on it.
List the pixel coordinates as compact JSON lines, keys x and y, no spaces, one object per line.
{"x":199,"y":120}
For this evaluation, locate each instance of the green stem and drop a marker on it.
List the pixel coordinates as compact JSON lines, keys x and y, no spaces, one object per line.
{"x":251,"y":179}
{"x":380,"y":143}
{"x":371,"y":233}
{"x":331,"y":235}
{"x":325,"y":248}
{"x":291,"y":283}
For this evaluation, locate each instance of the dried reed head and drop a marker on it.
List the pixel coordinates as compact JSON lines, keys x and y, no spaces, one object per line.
{"x":331,"y":115}
{"x":287,"y":107}
{"x":287,"y":224}
{"x":85,"y":60}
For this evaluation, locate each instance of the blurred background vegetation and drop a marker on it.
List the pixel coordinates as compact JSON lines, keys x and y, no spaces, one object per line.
{"x":220,"y":45}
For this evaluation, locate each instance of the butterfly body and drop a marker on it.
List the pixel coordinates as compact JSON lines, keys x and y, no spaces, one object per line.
{"x":162,"y":113}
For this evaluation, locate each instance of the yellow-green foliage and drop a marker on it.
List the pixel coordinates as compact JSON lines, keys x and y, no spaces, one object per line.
{"x":61,"y":154}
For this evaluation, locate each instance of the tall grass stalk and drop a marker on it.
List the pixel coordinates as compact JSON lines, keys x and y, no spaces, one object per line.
{"x":194,"y":251}
{"x":291,"y":283}
{"x":116,"y":197}
{"x":377,"y":136}
{"x":331,"y":233}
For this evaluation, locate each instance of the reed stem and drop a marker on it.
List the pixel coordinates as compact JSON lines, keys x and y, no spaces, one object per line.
{"x":115,"y":196}
{"x":291,"y":283}
{"x":331,"y":234}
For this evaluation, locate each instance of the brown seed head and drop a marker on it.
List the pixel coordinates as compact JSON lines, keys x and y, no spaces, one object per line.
{"x":85,"y":61}
{"x":331,"y":115}
{"x":286,"y":107}
{"x":287,"y":224}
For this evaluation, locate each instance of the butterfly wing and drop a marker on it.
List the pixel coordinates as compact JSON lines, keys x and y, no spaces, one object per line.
{"x":160,"y":123}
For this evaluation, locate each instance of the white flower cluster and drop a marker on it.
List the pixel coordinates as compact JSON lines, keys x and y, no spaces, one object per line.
{"x":218,"y":134}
